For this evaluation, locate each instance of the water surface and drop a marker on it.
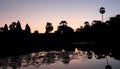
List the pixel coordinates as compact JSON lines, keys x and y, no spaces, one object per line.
{"x":77,"y":59}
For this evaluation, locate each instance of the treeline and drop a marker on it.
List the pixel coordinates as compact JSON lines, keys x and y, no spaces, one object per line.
{"x":102,"y":33}
{"x":97,"y":27}
{"x":97,"y":31}
{"x":64,"y":32}
{"x":14,"y":39}
{"x":111,"y":26}
{"x":15,"y":27}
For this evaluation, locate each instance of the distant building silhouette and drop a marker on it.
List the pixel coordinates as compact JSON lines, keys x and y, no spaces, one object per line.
{"x":18,"y":27}
{"x":6,"y":28}
{"x":27,"y":29}
{"x":36,"y":32}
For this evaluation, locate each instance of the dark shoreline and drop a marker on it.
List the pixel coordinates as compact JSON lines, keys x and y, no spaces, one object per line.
{"x":16,"y":51}
{"x":100,"y":35}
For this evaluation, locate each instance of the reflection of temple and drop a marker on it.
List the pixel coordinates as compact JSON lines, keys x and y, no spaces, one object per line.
{"x":50,"y":57}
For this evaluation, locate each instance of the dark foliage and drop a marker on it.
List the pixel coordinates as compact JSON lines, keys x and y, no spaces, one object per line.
{"x":97,"y":35}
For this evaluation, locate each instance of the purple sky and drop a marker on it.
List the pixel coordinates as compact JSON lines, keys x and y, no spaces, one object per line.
{"x":38,"y":12}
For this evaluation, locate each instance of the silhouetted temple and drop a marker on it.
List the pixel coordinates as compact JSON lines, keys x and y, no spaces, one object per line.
{"x":98,"y":34}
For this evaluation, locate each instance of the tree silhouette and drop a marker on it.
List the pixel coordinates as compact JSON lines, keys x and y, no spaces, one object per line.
{"x":98,"y":26}
{"x":63,"y":23}
{"x":12,"y":26}
{"x":27,"y":29}
{"x":87,"y":25}
{"x":48,"y":27}
{"x":63,"y":28}
{"x":79,"y":29}
{"x":113,"y":24}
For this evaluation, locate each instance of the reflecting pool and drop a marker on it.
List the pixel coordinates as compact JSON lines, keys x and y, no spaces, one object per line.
{"x":77,"y":59}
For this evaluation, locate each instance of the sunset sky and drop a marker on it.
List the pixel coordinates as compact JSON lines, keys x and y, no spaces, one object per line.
{"x":38,"y":12}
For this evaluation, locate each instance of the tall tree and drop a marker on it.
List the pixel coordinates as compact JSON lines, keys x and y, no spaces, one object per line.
{"x":49,"y":27}
{"x":63,"y":28}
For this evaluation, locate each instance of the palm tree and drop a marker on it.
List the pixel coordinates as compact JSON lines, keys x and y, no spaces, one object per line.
{"x":102,"y":11}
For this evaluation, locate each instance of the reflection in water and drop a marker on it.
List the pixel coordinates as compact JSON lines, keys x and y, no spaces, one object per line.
{"x":107,"y":66}
{"x":58,"y":59}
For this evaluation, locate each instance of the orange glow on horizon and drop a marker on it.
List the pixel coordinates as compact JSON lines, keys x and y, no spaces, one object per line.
{"x":38,"y":12}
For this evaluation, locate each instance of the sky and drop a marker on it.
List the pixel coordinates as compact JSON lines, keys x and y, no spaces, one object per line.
{"x":37,"y":13}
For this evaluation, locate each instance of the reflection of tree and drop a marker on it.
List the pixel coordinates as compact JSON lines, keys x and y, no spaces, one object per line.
{"x":65,"y":57}
{"x":15,"y":62}
{"x":36,"y":60}
{"x":51,"y":57}
{"x":4,"y":67}
{"x":89,"y":55}
{"x":66,"y":60}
